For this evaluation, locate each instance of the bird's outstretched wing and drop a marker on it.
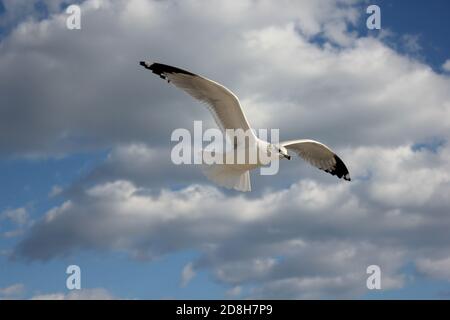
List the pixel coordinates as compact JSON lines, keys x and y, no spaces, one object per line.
{"x":223,"y":104}
{"x":319,"y":155}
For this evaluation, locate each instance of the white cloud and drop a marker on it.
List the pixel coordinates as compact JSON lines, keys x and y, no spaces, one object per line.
{"x":446,"y":65}
{"x":363,"y":78}
{"x":93,"y":122}
{"x":322,"y":236}
{"x":82,"y":294}
{"x":187,"y":274}
{"x":411,"y":42}
{"x":13,"y":291}
{"x":18,"y":10}
{"x":18,"y":215}
{"x":436,"y":268}
{"x":234,"y":292}
{"x":13,"y":233}
{"x":55,"y":191}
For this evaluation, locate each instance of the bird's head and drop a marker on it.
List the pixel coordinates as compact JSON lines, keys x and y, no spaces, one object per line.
{"x":280,"y":151}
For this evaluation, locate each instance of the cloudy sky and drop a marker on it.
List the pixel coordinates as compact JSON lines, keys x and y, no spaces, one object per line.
{"x":85,"y":169}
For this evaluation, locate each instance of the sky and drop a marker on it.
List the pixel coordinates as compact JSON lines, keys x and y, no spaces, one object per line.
{"x":85,"y":169}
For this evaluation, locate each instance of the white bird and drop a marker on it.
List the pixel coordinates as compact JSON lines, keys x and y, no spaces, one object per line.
{"x":228,"y":114}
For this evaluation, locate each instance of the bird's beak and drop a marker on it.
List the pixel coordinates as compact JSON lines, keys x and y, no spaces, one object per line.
{"x":287,"y":156}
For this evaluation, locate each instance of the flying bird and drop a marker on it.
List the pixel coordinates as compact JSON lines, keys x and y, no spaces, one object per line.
{"x":228,"y":114}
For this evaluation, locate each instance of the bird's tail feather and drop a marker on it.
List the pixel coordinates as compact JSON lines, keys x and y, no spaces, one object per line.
{"x":228,"y":176}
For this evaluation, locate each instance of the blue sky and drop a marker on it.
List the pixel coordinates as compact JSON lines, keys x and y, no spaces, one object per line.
{"x":426,"y":20}
{"x":29,"y":173}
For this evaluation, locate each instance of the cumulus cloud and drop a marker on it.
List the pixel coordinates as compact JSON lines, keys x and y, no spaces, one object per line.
{"x":306,"y":238}
{"x":313,"y":239}
{"x":365,"y":79}
{"x":16,"y":11}
{"x":123,"y":95}
{"x":55,"y":191}
{"x":234,"y":292}
{"x":411,"y":42}
{"x":13,"y":291}
{"x":19,"y":218}
{"x":150,"y":168}
{"x":436,"y":268}
{"x":18,"y":215}
{"x":82,"y":294}
{"x":446,"y":65}
{"x":187,"y":274}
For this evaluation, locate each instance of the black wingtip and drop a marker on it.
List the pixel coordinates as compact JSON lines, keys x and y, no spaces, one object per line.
{"x":340,"y":170}
{"x":146,"y":65}
{"x":163,"y":69}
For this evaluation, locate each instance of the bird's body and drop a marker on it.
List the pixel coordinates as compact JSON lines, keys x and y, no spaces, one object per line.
{"x":232,"y":171}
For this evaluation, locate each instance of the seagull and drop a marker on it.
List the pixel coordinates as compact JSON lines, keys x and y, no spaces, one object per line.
{"x":228,"y":114}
